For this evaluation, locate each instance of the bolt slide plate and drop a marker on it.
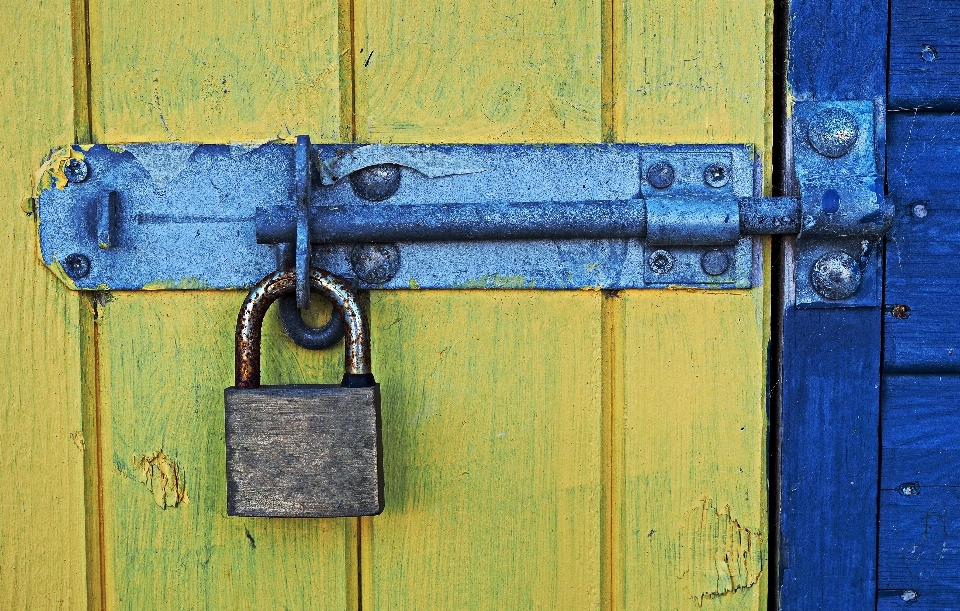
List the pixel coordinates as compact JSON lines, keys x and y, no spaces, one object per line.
{"x":182,"y":216}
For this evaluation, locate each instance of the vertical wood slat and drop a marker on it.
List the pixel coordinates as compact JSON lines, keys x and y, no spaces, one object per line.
{"x":492,"y":410}
{"x":215,"y":72}
{"x":830,"y":375}
{"x":42,"y":532}
{"x":689,"y":504}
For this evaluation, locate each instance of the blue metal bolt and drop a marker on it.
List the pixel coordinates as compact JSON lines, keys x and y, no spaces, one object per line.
{"x":836,"y":276}
{"x":832,"y":132}
{"x":76,"y":170}
{"x":76,"y":265}
{"x":377,"y":182}
{"x":660,"y":175}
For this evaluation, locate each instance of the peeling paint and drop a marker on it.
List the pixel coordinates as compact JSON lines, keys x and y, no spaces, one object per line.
{"x":496,"y":281}
{"x":50,"y":173}
{"x":189,"y":282}
{"x":718,"y":555}
{"x":162,"y":477}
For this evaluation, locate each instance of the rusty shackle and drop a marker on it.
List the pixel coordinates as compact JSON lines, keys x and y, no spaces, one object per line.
{"x":250,"y":322}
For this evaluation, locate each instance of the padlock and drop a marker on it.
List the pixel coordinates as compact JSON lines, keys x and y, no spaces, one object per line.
{"x":307,"y":450}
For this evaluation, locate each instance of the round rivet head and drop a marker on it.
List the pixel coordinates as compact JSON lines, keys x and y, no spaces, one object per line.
{"x":375,"y":263}
{"x":377,"y":182}
{"x":716,"y":175}
{"x":715,"y":262}
{"x":832,"y":132}
{"x":836,"y":276}
{"x":76,"y":265}
{"x":661,"y":261}
{"x":660,"y":175}
{"x":76,"y":170}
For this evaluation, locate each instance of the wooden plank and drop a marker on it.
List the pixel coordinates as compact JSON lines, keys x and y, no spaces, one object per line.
{"x":921,"y":431}
{"x":830,"y":369}
{"x":214,"y":71}
{"x":218,"y":72}
{"x":920,"y":545}
{"x":690,"y":490}
{"x":924,"y":55}
{"x":168,"y":543}
{"x":42,"y":546}
{"x":436,"y":71}
{"x":491,"y":432}
{"x":491,"y":400}
{"x":922,"y":272}
{"x":688,"y":368}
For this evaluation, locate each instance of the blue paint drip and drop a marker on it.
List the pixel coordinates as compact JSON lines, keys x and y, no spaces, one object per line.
{"x":830,"y":201}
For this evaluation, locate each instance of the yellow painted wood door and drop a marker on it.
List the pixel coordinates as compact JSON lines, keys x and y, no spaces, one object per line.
{"x":543,"y":449}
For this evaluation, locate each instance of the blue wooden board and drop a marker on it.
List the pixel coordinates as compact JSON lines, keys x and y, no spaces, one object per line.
{"x":830,"y":372}
{"x":920,"y":496}
{"x":923,"y":248}
{"x":924,"y":54}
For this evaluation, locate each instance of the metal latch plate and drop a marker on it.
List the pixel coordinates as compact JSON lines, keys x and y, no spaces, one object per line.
{"x":149,"y":216}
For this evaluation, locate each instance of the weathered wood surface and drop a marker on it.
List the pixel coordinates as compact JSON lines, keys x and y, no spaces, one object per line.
{"x":542,"y":449}
{"x":830,"y":374}
{"x":43,"y":440}
{"x":924,"y":54}
{"x":923,"y":246}
{"x":920,"y":498}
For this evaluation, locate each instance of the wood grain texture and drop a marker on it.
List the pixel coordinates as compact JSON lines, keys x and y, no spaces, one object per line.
{"x":491,"y":415}
{"x":214,"y":71}
{"x":921,"y":430}
{"x":690,"y":516}
{"x":688,"y":415}
{"x":219,"y":72}
{"x":924,"y":55}
{"x":165,"y":359}
{"x":503,"y":71}
{"x":920,"y":496}
{"x":922,"y":274}
{"x":42,"y":551}
{"x":692,"y":71}
{"x":830,"y":373}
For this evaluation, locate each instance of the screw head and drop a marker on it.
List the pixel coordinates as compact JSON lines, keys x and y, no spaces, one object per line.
{"x":660,"y":175}
{"x":832,"y":132}
{"x":928,"y":53}
{"x":920,"y":210}
{"x":377,"y":182}
{"x":716,"y":175}
{"x":661,"y":261}
{"x":375,"y":263}
{"x":715,"y":262}
{"x":76,"y":170}
{"x":76,"y":265}
{"x":836,"y":276}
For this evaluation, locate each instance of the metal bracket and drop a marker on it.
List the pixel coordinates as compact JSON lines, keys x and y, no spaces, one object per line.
{"x":845,"y":212}
{"x":612,"y":216}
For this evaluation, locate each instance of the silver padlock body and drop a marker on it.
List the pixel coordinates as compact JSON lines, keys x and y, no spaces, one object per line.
{"x":303,"y":451}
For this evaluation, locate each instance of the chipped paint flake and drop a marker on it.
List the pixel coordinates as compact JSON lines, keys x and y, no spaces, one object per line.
{"x":163,"y":478}
{"x":718,"y":555}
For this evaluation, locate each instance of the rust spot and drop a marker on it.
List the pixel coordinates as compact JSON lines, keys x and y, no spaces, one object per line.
{"x":163,"y":478}
{"x":899,"y":310}
{"x":718,"y":555}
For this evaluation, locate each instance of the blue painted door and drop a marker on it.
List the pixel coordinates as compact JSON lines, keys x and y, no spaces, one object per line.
{"x":919,"y":546}
{"x":869,"y":400}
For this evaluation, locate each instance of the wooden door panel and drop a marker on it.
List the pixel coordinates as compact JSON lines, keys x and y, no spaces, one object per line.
{"x":688,"y":413}
{"x":492,"y":400}
{"x":924,"y":55}
{"x":217,"y":72}
{"x":42,"y":530}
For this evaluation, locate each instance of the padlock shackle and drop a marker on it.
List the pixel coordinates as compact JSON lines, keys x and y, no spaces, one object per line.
{"x":268,"y":290}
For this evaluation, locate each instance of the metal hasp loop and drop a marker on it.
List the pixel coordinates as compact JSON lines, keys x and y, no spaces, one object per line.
{"x":250,"y":322}
{"x":291,"y":317}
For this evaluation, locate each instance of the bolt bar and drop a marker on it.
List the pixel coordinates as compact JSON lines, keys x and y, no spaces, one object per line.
{"x":366,"y":223}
